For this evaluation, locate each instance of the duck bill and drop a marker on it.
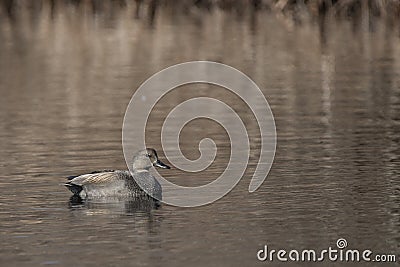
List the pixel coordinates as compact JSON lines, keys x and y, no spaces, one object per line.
{"x":161,"y":165}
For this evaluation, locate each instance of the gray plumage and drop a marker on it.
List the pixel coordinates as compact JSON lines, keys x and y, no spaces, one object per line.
{"x":120,"y":183}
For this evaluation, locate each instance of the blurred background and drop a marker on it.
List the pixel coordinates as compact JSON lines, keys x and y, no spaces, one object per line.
{"x":330,"y":71}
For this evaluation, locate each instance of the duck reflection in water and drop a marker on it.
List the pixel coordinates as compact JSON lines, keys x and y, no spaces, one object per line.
{"x":116,"y":206}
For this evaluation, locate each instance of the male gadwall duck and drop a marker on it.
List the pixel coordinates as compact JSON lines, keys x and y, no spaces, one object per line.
{"x":120,"y":183}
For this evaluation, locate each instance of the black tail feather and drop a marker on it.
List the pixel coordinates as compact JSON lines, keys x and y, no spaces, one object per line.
{"x":75,"y":189}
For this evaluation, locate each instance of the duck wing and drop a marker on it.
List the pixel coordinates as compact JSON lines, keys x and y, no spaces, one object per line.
{"x":77,"y":182}
{"x":97,"y":177}
{"x":94,"y":172}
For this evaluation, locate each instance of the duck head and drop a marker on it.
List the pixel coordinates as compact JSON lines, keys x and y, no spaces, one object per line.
{"x":145,"y":159}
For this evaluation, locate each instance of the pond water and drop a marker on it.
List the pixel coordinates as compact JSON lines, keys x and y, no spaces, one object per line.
{"x":67,"y":73}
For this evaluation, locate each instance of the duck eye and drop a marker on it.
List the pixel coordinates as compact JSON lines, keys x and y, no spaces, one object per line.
{"x":148,"y":155}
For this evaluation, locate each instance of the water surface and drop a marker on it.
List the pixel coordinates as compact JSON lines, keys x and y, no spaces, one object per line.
{"x":67,"y":74}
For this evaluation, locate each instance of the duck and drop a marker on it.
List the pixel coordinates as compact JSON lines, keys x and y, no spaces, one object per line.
{"x":121,"y":183}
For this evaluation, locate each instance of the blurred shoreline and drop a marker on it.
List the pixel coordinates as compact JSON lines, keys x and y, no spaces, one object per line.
{"x":293,"y":11}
